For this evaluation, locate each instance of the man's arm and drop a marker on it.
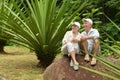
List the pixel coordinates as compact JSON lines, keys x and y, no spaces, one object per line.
{"x":94,"y":35}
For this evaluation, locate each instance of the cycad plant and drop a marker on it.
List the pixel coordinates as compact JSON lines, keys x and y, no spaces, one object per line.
{"x":2,"y":42}
{"x":40,"y":24}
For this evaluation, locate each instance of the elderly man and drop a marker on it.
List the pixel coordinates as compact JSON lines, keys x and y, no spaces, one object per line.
{"x":90,"y":40}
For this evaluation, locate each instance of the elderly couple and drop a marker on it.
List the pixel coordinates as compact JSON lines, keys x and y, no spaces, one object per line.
{"x":88,"y":39}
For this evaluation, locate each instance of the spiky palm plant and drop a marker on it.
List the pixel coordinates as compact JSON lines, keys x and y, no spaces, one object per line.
{"x":40,"y":25}
{"x":2,"y":42}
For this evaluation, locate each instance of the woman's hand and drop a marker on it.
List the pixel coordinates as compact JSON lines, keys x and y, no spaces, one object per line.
{"x":65,"y":42}
{"x":74,"y":40}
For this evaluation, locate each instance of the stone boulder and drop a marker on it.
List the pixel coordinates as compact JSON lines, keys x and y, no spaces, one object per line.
{"x":60,"y":70}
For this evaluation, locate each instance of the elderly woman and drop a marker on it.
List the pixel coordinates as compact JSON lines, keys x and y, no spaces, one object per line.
{"x":71,"y":44}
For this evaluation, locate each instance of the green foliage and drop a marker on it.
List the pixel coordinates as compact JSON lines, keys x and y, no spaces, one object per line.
{"x":2,"y":41}
{"x":93,"y":14}
{"x":113,"y":4}
{"x":109,"y":29}
{"x":40,"y":25}
{"x":110,"y":39}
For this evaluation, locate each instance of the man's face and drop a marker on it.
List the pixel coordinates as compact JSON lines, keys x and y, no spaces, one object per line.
{"x":86,"y":25}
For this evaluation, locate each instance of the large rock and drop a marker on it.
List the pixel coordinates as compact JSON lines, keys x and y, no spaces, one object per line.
{"x":60,"y":70}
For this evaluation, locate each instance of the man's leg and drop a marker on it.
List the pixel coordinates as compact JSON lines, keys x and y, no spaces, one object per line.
{"x":85,"y":47}
{"x":96,"y":46}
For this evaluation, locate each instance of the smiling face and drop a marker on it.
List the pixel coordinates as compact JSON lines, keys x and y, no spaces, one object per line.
{"x":75,"y":28}
{"x":87,"y":26}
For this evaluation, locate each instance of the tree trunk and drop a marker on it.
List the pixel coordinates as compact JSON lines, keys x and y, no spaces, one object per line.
{"x":2,"y":44}
{"x":45,"y":59}
{"x":1,"y":48}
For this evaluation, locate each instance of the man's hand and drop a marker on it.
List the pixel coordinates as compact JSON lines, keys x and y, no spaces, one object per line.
{"x":83,"y":38}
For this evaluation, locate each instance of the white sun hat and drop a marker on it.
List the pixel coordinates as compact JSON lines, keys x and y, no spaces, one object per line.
{"x":77,"y":24}
{"x":87,"y":20}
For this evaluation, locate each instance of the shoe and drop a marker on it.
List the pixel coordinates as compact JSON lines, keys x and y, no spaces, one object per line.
{"x":76,"y":67}
{"x":93,"y":62}
{"x":71,"y":63}
{"x":87,"y":58}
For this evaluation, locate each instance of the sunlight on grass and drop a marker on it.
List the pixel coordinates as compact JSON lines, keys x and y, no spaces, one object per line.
{"x":19,"y":67}
{"x":16,"y":49}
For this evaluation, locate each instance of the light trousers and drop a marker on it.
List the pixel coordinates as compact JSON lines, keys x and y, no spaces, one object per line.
{"x":69,"y":47}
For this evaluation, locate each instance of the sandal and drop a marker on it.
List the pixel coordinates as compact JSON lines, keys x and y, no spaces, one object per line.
{"x":76,"y":67}
{"x":71,"y":63}
{"x":87,"y":58}
{"x":93,"y":62}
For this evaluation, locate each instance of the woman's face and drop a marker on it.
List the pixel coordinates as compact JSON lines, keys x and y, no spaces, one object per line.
{"x":75,"y":28}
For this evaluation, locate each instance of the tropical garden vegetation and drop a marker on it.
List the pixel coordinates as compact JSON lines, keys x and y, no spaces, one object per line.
{"x":40,"y":25}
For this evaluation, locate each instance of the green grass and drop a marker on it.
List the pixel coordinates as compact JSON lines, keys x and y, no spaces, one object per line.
{"x":19,"y":64}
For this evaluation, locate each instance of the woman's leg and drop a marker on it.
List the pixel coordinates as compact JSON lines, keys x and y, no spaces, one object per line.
{"x":73,"y":57}
{"x":72,"y":52}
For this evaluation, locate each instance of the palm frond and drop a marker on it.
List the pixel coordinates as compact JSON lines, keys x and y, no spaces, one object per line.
{"x":39,"y":24}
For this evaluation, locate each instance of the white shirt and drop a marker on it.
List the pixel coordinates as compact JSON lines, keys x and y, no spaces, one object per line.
{"x":92,"y":32}
{"x":69,"y":36}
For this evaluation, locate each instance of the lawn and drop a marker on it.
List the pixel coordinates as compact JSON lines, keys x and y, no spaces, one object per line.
{"x":18,"y":63}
